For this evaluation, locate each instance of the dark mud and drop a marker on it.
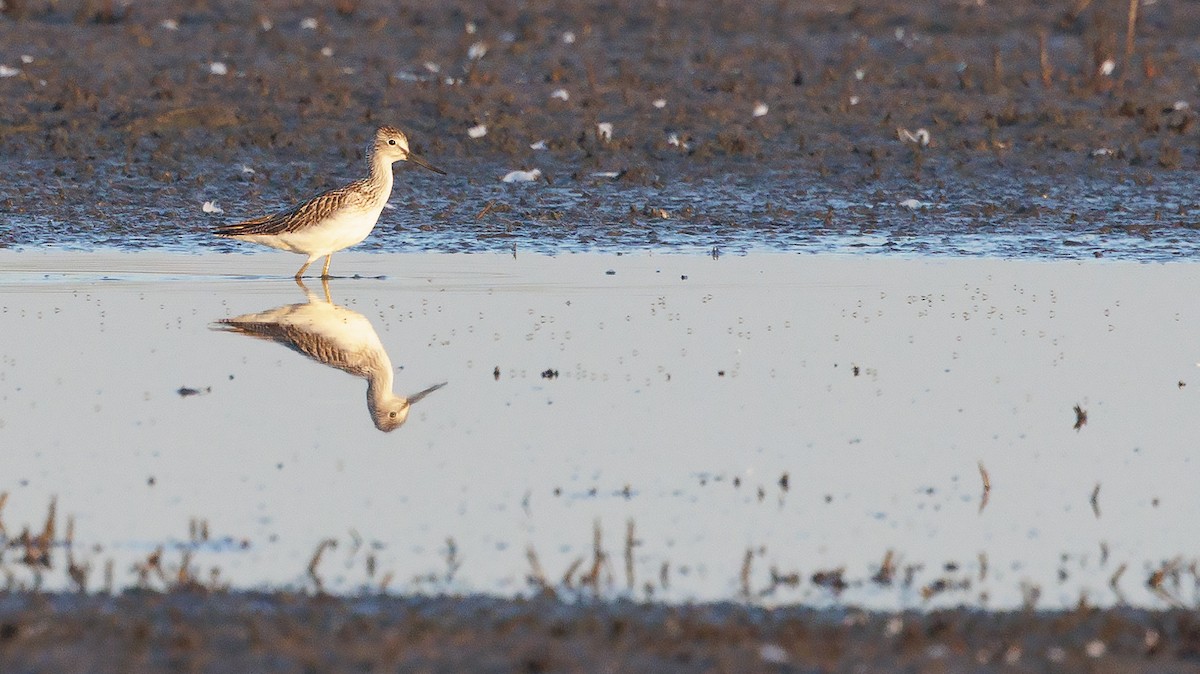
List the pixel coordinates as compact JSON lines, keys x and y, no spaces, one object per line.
{"x":143,"y":632}
{"x":117,"y":127}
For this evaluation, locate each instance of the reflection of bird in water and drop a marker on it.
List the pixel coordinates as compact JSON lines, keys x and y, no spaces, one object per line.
{"x":338,"y":337}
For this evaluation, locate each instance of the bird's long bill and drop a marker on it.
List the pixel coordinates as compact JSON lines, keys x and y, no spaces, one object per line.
{"x":416,"y":159}
{"x":416,"y":397}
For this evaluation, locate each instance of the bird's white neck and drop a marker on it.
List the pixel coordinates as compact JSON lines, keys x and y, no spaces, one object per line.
{"x":380,"y":178}
{"x":379,"y":383}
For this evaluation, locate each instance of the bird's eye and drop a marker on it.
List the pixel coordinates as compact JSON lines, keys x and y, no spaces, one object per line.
{"x":392,"y":415}
{"x":391,"y":141}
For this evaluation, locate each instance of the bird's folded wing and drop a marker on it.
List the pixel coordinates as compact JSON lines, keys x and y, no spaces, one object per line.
{"x":305,"y":215}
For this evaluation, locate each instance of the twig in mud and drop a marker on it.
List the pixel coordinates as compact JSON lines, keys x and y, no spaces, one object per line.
{"x":664,"y":575}
{"x":569,"y":576}
{"x":153,"y":564}
{"x":537,"y":576}
{"x":887,"y":569}
{"x":747,"y":562}
{"x":1044,"y":59}
{"x":356,"y":542}
{"x":1114,"y":580}
{"x":630,"y":542}
{"x":1096,"y":500}
{"x":1156,"y":582}
{"x":599,"y":558}
{"x":485,"y":210}
{"x":987,"y":487}
{"x":316,"y":560}
{"x":983,"y":566}
{"x":453,"y":563}
{"x":38,"y":548}
{"x":1130,"y":36}
{"x":1030,"y":593}
{"x":77,"y":572}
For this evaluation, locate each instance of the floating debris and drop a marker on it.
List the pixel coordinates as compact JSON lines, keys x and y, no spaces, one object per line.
{"x":605,"y":131}
{"x":919,"y":137}
{"x":914,"y":204}
{"x":561,"y":94}
{"x":521,"y":176}
{"x":660,"y":103}
{"x":477,"y":51}
{"x":6,"y":71}
{"x":211,"y":207}
{"x":308,"y":24}
{"x":477,"y":131}
{"x":568,"y":37}
{"x":760,"y":109}
{"x":540,"y":145}
{"x":1080,"y":417}
{"x":773,"y":654}
{"x":218,"y":68}
{"x":169,"y":24}
{"x":987,"y":487}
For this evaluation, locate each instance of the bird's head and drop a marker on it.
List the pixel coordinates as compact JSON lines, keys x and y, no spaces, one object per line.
{"x":392,"y":145}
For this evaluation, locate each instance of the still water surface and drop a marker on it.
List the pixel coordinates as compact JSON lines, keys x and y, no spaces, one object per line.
{"x":750,"y":417}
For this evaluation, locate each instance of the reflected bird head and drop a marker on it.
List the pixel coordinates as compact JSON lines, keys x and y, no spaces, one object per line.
{"x":391,"y":413}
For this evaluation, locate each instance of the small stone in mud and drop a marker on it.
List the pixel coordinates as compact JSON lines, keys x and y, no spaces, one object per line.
{"x":549,"y":373}
{"x":151,"y":481}
{"x":611,"y":272}
{"x":683,"y":277}
{"x":184,"y":391}
{"x":720,"y":373}
{"x":496,"y":373}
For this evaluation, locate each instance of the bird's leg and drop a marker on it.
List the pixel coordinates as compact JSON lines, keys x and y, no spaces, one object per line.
{"x":302,"y":268}
{"x":325,"y":285}
{"x":328,"y":259}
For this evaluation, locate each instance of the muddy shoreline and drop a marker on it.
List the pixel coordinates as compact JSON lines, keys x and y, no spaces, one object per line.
{"x":235,"y":632}
{"x":120,"y":126}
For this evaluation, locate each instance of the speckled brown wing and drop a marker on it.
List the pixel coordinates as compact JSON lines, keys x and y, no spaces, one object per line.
{"x":306,"y":342}
{"x":304,"y":215}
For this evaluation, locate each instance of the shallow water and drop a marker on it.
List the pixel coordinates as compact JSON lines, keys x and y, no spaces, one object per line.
{"x":808,"y":413}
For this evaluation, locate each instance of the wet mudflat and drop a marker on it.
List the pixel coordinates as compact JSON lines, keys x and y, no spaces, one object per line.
{"x":284,"y":632}
{"x":768,"y":429}
{"x":927,"y":127}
